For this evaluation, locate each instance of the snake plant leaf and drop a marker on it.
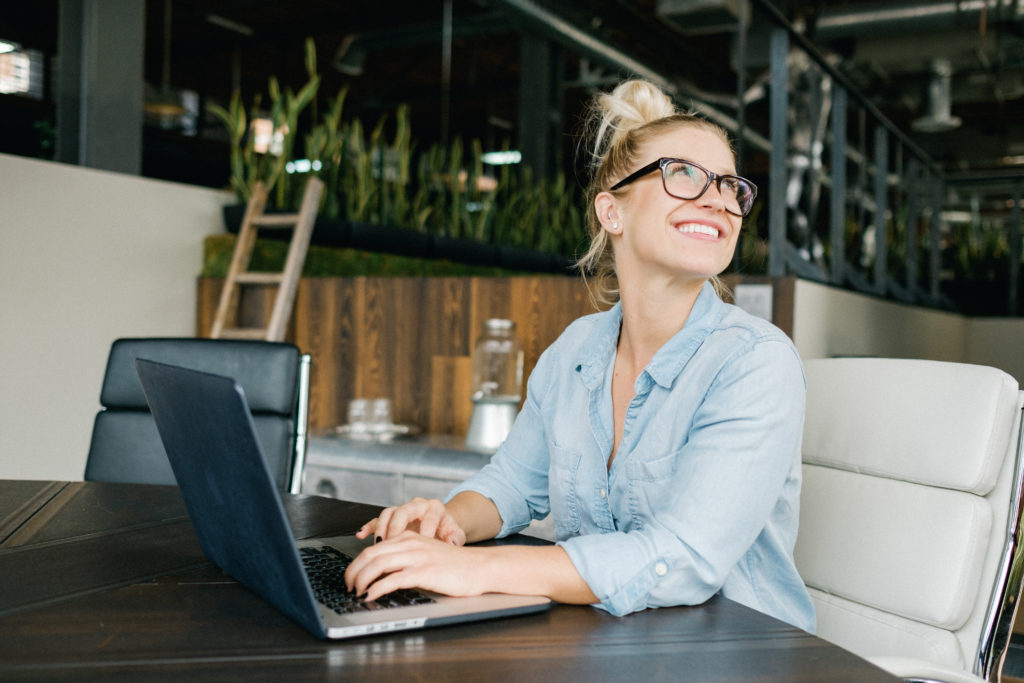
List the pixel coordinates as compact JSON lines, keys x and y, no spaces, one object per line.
{"x":307,"y":93}
{"x":311,"y":58}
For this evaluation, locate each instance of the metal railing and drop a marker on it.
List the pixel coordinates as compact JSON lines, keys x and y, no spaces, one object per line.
{"x":886,"y":204}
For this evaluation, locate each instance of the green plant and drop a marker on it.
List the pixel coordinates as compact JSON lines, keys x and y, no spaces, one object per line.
{"x":249,"y":165}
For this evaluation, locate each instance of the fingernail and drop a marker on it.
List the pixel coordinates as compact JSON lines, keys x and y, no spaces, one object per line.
{"x":377,"y":539}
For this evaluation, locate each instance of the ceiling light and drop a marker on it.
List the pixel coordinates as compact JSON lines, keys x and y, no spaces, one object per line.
{"x":502,"y":158}
{"x":166,"y":103}
{"x":350,"y":58}
{"x":938,"y":118}
{"x":230,"y":25}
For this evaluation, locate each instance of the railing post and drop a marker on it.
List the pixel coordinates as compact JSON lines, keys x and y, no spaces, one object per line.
{"x":881,"y":205}
{"x":913,"y":214}
{"x":1015,"y":249}
{"x":936,"y":235}
{"x":837,"y":217}
{"x":779,"y":135}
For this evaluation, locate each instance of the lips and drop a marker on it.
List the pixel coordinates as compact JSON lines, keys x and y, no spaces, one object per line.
{"x":698,"y":229}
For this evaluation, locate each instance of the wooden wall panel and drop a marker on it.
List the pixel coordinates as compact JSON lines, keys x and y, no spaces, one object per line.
{"x":408,"y":339}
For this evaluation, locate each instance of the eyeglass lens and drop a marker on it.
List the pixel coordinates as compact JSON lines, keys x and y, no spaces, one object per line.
{"x":687,"y":181}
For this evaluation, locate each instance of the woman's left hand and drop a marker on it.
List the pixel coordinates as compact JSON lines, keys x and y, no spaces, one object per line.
{"x":412,"y":560}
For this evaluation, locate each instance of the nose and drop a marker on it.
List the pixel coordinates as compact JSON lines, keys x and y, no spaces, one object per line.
{"x":712,"y":197}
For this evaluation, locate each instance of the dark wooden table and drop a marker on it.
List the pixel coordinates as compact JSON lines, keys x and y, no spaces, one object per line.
{"x":108,"y":581}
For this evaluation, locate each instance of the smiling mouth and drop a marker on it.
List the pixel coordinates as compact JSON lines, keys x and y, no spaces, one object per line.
{"x":698,"y":228}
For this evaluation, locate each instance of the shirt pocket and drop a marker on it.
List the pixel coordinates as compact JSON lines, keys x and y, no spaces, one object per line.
{"x":651,"y":485}
{"x":564,"y":468}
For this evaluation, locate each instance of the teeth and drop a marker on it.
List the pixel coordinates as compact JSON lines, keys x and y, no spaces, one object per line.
{"x":698,"y":228}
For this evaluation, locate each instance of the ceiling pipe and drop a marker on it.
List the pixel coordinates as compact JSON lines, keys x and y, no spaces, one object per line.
{"x":588,"y":45}
{"x":916,"y":16}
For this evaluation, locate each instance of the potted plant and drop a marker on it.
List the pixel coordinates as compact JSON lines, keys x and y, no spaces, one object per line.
{"x":382,"y":194}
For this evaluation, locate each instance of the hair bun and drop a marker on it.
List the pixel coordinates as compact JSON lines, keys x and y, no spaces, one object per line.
{"x":630,"y":105}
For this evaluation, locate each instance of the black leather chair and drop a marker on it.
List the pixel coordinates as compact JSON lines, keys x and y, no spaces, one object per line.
{"x":126,"y":446}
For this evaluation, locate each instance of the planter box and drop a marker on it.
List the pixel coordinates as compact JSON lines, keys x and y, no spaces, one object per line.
{"x":406,"y":338}
{"x":334,"y":232}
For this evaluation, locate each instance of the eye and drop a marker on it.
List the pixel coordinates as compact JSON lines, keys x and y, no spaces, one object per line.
{"x":731,"y":185}
{"x":687,"y":172}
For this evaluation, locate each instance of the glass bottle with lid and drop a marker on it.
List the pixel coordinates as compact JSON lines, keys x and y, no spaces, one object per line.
{"x":498,"y":362}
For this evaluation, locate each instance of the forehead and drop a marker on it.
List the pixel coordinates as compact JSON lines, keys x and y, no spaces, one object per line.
{"x":692,"y":143}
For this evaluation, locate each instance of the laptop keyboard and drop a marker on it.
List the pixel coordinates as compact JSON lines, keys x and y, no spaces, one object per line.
{"x":325,"y":567}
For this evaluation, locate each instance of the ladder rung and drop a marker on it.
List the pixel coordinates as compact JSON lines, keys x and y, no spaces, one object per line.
{"x":276,"y":219}
{"x":258,"y":278}
{"x":244,"y":333}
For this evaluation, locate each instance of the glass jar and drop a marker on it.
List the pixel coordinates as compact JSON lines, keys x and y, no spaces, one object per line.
{"x":498,"y":362}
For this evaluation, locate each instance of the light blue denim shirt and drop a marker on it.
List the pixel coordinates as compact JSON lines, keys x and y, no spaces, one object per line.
{"x":703,"y":494}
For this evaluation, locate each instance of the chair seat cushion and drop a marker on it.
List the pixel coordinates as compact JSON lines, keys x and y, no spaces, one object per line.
{"x":875,"y":634}
{"x":909,"y":668}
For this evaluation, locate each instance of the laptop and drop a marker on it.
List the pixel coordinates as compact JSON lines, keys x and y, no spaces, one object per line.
{"x":207,"y":429}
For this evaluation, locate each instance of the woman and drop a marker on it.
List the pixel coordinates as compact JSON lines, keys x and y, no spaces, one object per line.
{"x":663,"y":435}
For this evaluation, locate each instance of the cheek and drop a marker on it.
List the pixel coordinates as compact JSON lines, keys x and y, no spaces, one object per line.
{"x":736,"y":223}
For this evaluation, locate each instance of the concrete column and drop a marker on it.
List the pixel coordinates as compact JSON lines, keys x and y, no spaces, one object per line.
{"x":100,"y":88}
{"x":540,"y":104}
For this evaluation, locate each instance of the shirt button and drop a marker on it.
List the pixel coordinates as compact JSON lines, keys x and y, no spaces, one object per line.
{"x":661,"y":569}
{"x":604,"y":493}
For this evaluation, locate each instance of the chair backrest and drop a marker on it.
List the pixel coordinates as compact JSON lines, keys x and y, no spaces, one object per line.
{"x":125,"y":444}
{"x":909,"y":508}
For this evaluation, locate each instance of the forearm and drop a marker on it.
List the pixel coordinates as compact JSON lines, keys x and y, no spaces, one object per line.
{"x":477,"y":516}
{"x":534,"y":570}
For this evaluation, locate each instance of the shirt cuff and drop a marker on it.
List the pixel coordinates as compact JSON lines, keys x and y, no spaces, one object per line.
{"x":618,"y":568}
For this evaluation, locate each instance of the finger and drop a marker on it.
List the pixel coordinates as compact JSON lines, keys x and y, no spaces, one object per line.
{"x":450,"y":532}
{"x":367,"y":528}
{"x":356,"y":566}
{"x":376,"y":563}
{"x":396,"y":580}
{"x":398,"y":523}
{"x":383,"y":522}
{"x":357,"y":570}
{"x":432,"y":518}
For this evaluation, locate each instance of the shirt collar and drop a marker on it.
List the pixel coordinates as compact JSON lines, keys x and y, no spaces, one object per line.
{"x":597,"y":351}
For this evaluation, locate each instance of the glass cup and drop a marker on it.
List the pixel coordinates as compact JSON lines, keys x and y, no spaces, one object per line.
{"x":359,"y":416}
{"x":381,"y":419}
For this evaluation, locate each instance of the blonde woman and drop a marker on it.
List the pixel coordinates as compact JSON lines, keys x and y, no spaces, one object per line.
{"x":662,"y":436}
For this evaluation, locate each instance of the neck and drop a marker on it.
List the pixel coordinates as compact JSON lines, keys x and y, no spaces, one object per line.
{"x":651,"y":315}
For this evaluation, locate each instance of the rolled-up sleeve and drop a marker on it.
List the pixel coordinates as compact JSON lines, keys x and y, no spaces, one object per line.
{"x":734,"y":481}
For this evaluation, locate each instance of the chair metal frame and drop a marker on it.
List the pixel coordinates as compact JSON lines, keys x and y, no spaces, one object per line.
{"x":301,"y":426}
{"x":1002,"y":610}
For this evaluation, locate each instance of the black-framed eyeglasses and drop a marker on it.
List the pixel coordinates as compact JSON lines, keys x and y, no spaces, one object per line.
{"x":686,"y":180}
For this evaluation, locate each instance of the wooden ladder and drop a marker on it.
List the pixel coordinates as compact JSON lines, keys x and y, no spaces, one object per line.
{"x":287,"y":280}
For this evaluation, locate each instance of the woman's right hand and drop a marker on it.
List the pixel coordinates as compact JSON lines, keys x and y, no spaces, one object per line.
{"x":427,"y":517}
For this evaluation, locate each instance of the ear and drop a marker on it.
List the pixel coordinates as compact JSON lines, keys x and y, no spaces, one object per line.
{"x":606,"y":207}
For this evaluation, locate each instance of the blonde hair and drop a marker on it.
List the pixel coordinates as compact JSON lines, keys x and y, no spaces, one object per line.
{"x":622,"y":121}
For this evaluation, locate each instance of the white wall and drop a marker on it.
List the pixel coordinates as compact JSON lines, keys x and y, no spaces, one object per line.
{"x":834,"y":322}
{"x":85,"y":257}
{"x":998,"y":342}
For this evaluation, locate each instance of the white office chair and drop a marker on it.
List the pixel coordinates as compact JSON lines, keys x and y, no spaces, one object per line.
{"x":910,"y":515}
